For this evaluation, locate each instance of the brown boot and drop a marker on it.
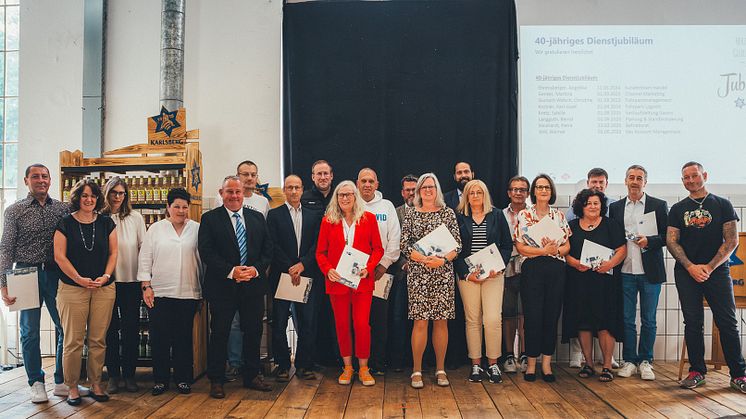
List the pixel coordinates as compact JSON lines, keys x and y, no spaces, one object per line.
{"x":216,"y":391}
{"x":257,"y":384}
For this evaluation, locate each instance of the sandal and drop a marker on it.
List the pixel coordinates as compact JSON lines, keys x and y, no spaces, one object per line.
{"x":606,"y":376}
{"x":586,"y":371}
{"x":419,"y":383}
{"x":443,"y":382}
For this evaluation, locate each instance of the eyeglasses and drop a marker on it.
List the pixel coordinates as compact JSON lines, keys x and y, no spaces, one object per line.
{"x":518,"y":190}
{"x":294,"y":188}
{"x":117,"y":193}
{"x":346,"y":195}
{"x":543,"y":187}
{"x":427,"y":187}
{"x":476,"y":193}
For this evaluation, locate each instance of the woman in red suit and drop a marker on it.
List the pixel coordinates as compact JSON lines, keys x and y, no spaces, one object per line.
{"x":347,"y":222}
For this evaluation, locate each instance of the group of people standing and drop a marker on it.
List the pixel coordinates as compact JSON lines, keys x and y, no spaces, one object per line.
{"x":96,"y":262}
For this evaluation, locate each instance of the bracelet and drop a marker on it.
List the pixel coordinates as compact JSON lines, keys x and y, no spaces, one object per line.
{"x":107,"y":276}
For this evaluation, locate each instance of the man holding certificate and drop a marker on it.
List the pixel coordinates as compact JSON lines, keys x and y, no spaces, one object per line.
{"x":486,"y":247}
{"x":294,"y":229}
{"x":644,"y":218}
{"x":348,"y":236}
{"x":27,"y":240}
{"x":593,"y":292}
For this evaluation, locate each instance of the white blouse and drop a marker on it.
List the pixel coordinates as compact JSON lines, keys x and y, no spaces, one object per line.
{"x":130,"y":234}
{"x":171,"y":262}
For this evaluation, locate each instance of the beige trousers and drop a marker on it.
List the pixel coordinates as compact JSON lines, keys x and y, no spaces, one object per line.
{"x":84,"y":310}
{"x":483,"y":304}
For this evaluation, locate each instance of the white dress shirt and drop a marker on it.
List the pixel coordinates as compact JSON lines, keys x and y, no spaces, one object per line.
{"x":633,"y":212}
{"x":170,"y":261}
{"x":255,"y":201}
{"x":130,"y":234}
{"x":296,"y":215}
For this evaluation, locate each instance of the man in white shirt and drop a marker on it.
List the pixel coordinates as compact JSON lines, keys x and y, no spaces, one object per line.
{"x":388,"y":226}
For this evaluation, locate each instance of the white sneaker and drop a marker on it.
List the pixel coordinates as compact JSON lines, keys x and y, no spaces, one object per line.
{"x":646,"y":371}
{"x":577,"y":360}
{"x":38,"y":393}
{"x":627,"y":370}
{"x":524,"y":363}
{"x":62,"y":390}
{"x":614,"y":364}
{"x":509,"y":364}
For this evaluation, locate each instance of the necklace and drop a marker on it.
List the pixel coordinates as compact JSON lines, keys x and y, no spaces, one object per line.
{"x":93,"y":236}
{"x":700,"y":203}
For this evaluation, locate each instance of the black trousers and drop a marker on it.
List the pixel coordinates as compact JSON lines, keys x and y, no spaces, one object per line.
{"x":251,"y":311}
{"x":379,"y":318}
{"x":399,"y":348}
{"x":542,"y":286}
{"x":718,"y":290}
{"x":122,"y":338}
{"x":456,"y":354}
{"x":327,"y":348}
{"x":306,"y":320}
{"x":171,"y":322}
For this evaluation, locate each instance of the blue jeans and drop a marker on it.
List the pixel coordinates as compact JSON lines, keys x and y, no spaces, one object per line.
{"x":31,"y":325}
{"x":649,"y":293}
{"x":235,"y":343}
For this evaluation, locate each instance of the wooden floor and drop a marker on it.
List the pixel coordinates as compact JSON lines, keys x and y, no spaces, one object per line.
{"x":392,"y":397}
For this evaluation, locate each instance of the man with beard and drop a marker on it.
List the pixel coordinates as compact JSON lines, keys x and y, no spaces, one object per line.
{"x":318,"y":197}
{"x":462,"y":175}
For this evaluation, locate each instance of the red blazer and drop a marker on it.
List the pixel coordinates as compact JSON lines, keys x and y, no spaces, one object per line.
{"x":332,"y":243}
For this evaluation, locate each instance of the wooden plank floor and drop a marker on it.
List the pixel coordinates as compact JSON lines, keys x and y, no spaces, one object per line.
{"x":392,"y":397}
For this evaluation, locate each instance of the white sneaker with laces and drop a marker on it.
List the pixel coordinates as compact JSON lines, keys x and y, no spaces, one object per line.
{"x":646,"y":371}
{"x":576,"y":360}
{"x":62,"y":390}
{"x":509,"y":364}
{"x":627,"y":370}
{"x":524,"y":363}
{"x":614,"y":364}
{"x":38,"y":393}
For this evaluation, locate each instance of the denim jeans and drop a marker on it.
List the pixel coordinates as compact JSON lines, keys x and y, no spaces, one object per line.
{"x":30,"y":323}
{"x":632,"y":285}
{"x":304,"y":321}
{"x":718,"y":290}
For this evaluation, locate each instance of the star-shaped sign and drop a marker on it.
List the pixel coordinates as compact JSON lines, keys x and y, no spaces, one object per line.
{"x":166,"y":121}
{"x":195,"y":175}
{"x":263,"y":190}
{"x":740,"y":103}
{"x":735,"y":260}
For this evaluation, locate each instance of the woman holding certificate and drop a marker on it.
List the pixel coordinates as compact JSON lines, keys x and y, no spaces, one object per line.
{"x":541,"y":237}
{"x":347,"y":225}
{"x":125,"y":317}
{"x":481,"y":225}
{"x":593,"y":295}
{"x":429,"y":276}
{"x":169,"y":273}
{"x":85,"y":248}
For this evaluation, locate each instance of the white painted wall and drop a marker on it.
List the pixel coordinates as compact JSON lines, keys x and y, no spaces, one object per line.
{"x":51,"y":83}
{"x":231,"y":87}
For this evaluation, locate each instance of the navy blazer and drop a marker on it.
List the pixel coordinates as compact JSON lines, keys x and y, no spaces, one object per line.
{"x":451,"y":198}
{"x":498,"y":232}
{"x":285,"y":252}
{"x":218,"y":249}
{"x":652,"y":258}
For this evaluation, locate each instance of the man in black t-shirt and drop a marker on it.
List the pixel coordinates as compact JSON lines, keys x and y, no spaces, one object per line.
{"x":702,"y":234}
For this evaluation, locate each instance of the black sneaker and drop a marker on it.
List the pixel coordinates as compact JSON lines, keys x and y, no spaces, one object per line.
{"x":377,"y":371}
{"x":158,"y":389}
{"x":476,"y":374}
{"x":495,"y":375}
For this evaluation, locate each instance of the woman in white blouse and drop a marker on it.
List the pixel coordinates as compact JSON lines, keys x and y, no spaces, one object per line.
{"x":122,"y":337}
{"x":169,"y":273}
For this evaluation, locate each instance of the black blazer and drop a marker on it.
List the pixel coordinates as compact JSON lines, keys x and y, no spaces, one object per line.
{"x":451,"y":199}
{"x":498,"y":232}
{"x":285,"y":250}
{"x":218,"y":249}
{"x":652,"y":258}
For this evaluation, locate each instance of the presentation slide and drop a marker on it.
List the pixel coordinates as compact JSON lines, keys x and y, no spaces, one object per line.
{"x":612,"y":96}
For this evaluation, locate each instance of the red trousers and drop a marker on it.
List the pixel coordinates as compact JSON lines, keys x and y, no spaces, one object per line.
{"x":357,"y":304}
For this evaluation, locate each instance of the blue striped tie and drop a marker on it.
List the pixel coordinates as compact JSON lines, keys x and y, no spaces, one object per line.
{"x":241,"y":237}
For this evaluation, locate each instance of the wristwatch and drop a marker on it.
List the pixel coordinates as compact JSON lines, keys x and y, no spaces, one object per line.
{"x":107,"y":276}
{"x":146,"y":287}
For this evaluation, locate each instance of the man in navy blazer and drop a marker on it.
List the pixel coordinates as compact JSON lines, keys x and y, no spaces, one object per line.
{"x":235,"y":245}
{"x":295,"y":230}
{"x":643,"y":271}
{"x":462,"y":174}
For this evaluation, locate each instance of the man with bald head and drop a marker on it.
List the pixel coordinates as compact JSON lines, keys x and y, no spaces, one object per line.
{"x":388,"y":226}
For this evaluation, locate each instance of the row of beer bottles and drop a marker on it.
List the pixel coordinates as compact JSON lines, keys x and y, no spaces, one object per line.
{"x":142,"y":189}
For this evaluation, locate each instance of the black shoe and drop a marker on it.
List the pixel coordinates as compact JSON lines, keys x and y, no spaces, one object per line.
{"x":305,"y":374}
{"x":476,"y":374}
{"x":257,"y":384}
{"x":282,"y":375}
{"x":530,"y":377}
{"x":99,"y":397}
{"x":158,"y":389}
{"x":74,"y":402}
{"x":549,"y":378}
{"x":377,"y":371}
{"x":184,"y":388}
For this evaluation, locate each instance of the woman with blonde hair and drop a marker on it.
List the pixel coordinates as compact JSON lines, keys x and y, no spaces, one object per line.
{"x":429,"y":278}
{"x":346,"y":223}
{"x":481,"y":225}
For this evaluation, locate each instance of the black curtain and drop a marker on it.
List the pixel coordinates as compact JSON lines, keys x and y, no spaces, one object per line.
{"x":402,"y":87}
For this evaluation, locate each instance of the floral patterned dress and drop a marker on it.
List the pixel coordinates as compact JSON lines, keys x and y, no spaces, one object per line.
{"x":431,"y":291}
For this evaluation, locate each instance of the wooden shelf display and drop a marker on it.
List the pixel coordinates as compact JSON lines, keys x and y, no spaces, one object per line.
{"x":150,"y":171}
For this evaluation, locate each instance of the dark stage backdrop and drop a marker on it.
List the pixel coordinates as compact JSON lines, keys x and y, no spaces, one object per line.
{"x":403,"y":87}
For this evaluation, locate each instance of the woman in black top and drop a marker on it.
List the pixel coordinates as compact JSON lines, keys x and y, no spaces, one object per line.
{"x":85,"y":248}
{"x":593,"y":294}
{"x":482,"y":225}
